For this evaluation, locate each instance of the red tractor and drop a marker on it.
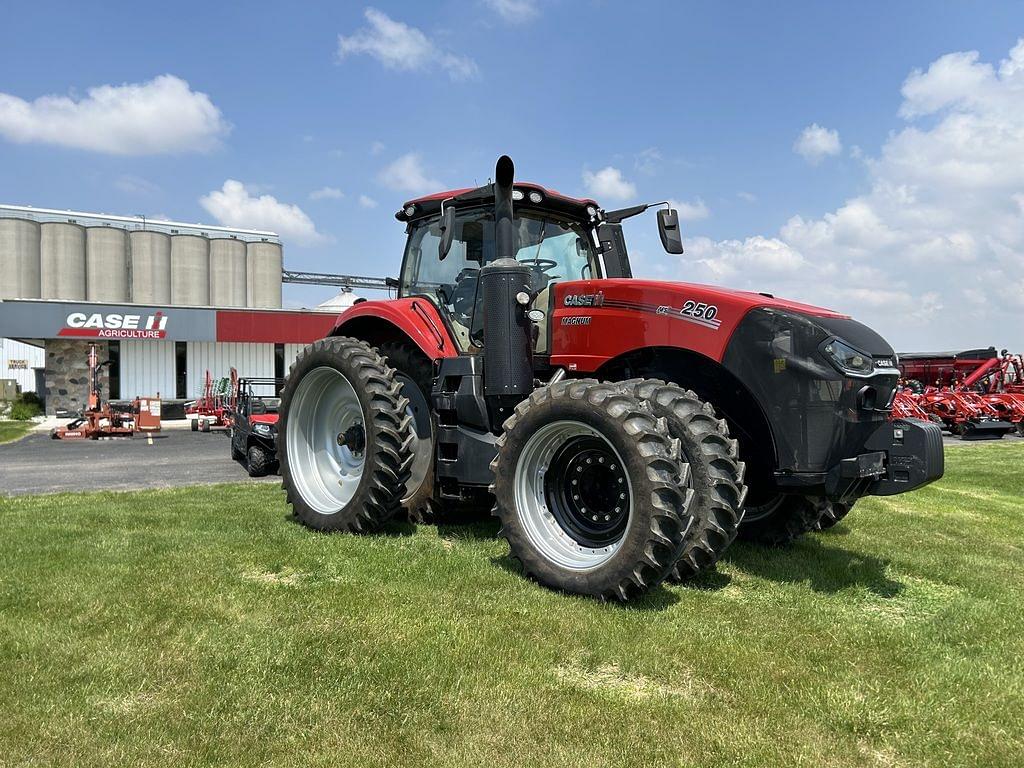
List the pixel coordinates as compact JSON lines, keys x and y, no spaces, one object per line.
{"x":624,"y":430}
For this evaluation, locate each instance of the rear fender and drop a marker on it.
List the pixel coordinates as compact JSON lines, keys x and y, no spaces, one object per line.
{"x":413,"y":320}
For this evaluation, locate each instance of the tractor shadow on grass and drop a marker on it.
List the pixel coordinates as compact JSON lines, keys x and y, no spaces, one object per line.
{"x":815,"y":562}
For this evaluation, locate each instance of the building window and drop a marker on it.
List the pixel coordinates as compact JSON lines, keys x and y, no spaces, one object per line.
{"x":114,"y":369}
{"x":278,"y":367}
{"x":180,"y":370}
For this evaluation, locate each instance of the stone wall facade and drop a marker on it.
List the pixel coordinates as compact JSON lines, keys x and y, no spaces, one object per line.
{"x":67,"y":374}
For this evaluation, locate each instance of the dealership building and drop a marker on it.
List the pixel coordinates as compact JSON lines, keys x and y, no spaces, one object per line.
{"x":163,"y":301}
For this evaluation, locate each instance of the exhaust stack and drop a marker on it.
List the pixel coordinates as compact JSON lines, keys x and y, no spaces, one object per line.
{"x":508,"y":356}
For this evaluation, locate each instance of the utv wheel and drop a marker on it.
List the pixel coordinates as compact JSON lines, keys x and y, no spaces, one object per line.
{"x":834,"y":512}
{"x":345,"y":437}
{"x":257,"y":461}
{"x":587,"y":490}
{"x":415,"y":373}
{"x":715,"y":474}
{"x":781,"y":519}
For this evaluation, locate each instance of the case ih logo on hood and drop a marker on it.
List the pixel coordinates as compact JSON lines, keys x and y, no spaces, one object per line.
{"x":584,"y":299}
{"x":115,"y":326}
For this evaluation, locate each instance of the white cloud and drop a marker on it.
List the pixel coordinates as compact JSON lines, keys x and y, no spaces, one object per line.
{"x":163,"y":115}
{"x":367,"y":202}
{"x":747,"y":197}
{"x":135,"y":185}
{"x":932,"y":253}
{"x":326,"y":193}
{"x":406,"y":174}
{"x":648,"y":161}
{"x":401,"y":47}
{"x":234,"y":205}
{"x":514,"y":11}
{"x":377,"y":147}
{"x":816,"y":143}
{"x":694,"y":211}
{"x":608,"y":184}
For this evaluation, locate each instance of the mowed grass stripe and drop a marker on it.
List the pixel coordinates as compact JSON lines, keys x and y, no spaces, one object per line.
{"x":203,"y":626}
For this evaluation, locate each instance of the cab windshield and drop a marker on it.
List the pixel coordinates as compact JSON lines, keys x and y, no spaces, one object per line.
{"x":554,"y":248}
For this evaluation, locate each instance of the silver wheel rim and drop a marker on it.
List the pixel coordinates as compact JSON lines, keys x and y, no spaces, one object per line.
{"x":422,"y":449}
{"x":325,"y":473}
{"x":541,"y":527}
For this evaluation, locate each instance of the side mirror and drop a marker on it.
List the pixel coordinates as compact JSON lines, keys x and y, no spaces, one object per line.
{"x":668,"y":228}
{"x":447,"y":232}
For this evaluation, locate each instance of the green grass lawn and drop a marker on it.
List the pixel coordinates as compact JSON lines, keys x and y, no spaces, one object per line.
{"x":14,"y":430}
{"x":202,"y":626}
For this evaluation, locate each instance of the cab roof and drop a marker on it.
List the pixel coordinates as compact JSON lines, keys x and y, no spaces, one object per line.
{"x":430,"y":205}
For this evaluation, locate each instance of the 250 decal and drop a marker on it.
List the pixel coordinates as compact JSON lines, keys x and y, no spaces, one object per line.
{"x":697,"y":312}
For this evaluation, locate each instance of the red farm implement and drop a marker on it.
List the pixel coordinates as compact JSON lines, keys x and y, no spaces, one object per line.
{"x":212,"y":409}
{"x":101,"y":420}
{"x":973,"y":393}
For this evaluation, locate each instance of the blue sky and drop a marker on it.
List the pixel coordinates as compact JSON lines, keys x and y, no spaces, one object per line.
{"x":330,"y":115}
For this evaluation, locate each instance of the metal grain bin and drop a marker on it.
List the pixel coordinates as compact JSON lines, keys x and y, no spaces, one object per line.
{"x":62,"y":261}
{"x":263,"y":272}
{"x":151,"y":267}
{"x":190,"y":270}
{"x":227,"y":272}
{"x":106,"y":264}
{"x":19,"y":259}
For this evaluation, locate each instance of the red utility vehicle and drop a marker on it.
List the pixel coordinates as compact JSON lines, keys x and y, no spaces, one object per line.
{"x":624,"y":430}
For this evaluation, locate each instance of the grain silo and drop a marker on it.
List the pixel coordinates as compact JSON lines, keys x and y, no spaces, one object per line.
{"x":190,"y":270}
{"x":106,"y":264}
{"x":62,"y":261}
{"x":227,"y":272}
{"x":19,"y":259}
{"x":151,"y":267}
{"x":264,"y":261}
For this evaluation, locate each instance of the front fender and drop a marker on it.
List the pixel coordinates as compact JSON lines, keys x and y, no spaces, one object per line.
{"x":415,"y":318}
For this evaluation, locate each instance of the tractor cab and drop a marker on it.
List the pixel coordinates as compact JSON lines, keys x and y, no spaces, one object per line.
{"x":451,"y":236}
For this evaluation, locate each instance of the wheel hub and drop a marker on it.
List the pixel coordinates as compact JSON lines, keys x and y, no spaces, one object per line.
{"x":354,"y":438}
{"x":585,"y":489}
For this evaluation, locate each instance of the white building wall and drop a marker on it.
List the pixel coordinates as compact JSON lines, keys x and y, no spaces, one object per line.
{"x":147,"y":368}
{"x":35,"y":357}
{"x":291,"y":351}
{"x":219,"y":357}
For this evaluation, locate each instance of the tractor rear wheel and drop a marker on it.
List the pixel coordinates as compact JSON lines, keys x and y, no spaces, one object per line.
{"x":345,"y":437}
{"x":587,"y":488}
{"x":715,"y":473}
{"x":781,"y":519}
{"x":834,"y":512}
{"x":415,"y":373}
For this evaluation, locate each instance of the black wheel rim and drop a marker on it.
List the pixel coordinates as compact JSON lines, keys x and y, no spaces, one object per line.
{"x":585,"y":489}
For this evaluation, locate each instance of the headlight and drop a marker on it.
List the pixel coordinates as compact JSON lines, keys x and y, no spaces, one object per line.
{"x":847,"y":359}
{"x":263,"y":429}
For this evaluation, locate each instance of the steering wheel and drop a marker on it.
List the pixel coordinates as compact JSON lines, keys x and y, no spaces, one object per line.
{"x":541,"y":265}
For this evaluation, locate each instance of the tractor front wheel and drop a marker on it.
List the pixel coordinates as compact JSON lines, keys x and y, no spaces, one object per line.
{"x":715,"y":474}
{"x":834,"y":512}
{"x":781,"y":519}
{"x":587,"y":488}
{"x":345,"y":437}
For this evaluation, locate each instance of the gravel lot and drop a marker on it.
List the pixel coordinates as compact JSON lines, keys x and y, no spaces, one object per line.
{"x":175,"y":457}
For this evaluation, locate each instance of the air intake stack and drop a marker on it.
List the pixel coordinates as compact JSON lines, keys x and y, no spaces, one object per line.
{"x":508,"y":359}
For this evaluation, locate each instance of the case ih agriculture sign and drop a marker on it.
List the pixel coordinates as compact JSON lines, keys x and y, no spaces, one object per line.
{"x":115,"y":326}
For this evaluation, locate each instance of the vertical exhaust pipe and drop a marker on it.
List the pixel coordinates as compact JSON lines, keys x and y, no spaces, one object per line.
{"x":508,"y":354}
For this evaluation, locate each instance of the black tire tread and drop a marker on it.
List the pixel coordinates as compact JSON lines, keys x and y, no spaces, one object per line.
{"x":718,"y":504}
{"x":795,"y":517}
